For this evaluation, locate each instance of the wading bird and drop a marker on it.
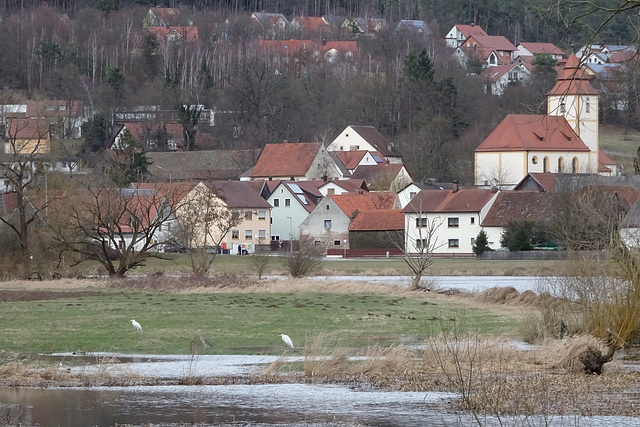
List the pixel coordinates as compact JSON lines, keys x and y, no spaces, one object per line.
{"x":203,"y":339}
{"x":287,"y":340}
{"x":136,"y":325}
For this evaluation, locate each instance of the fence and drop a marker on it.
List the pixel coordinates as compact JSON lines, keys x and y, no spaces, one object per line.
{"x":542,"y":255}
{"x":358,"y":253}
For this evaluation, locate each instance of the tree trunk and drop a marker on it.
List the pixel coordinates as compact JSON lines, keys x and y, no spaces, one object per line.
{"x":593,"y":359}
{"x":415,"y":281}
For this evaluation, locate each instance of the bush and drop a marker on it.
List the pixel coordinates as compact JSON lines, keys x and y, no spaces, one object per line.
{"x":305,"y":261}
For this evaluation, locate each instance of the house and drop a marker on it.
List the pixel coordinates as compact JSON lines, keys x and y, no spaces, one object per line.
{"x":331,"y":187}
{"x":528,"y":49}
{"x":8,"y":203}
{"x":489,"y":50}
{"x":365,"y":138}
{"x":66,"y":117}
{"x":206,"y":165}
{"x":459,"y":33}
{"x":410,"y":190}
{"x":152,"y":135}
{"x":603,"y":54}
{"x":352,"y":159}
{"x":309,"y":27}
{"x":192,"y":203}
{"x":383,"y":177}
{"x":296,"y":162}
{"x":166,"y":35}
{"x":412,"y":28}
{"x":295,"y":56}
{"x":497,"y":79}
{"x":447,"y":220}
{"x":164,"y":17}
{"x":292,"y":202}
{"x":328,"y":224}
{"x":355,"y":27}
{"x":270,"y":25}
{"x":29,"y":136}
{"x":537,"y":207}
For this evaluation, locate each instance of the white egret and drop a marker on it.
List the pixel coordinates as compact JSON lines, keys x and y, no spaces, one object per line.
{"x":136,"y":325}
{"x":203,"y":339}
{"x":287,"y":340}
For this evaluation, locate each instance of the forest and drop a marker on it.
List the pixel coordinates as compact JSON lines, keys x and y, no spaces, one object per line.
{"x":410,"y":88}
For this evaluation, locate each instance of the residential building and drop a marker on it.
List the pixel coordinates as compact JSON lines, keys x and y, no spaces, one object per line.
{"x":531,"y":49}
{"x":164,"y":17}
{"x":175,"y":34}
{"x":296,"y":162}
{"x":383,"y":177}
{"x":206,"y":165}
{"x":497,"y":79}
{"x":489,"y":50}
{"x":153,"y":136}
{"x":292,"y":202}
{"x":365,"y":138}
{"x":28,"y":136}
{"x":446,"y":222}
{"x":459,"y":33}
{"x":270,"y":26}
{"x":328,"y":224}
{"x":412,"y":28}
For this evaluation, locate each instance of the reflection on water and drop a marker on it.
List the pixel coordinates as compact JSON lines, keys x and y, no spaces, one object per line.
{"x":279,"y":404}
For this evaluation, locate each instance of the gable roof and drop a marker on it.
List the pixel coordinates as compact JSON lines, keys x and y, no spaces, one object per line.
{"x":285,"y":160}
{"x":186,"y":33}
{"x":534,"y":206}
{"x":378,"y":220}
{"x":493,"y":42}
{"x":351,"y":159}
{"x":376,"y":139}
{"x":201,"y":165}
{"x":371,"y":172}
{"x":520,"y":132}
{"x":541,"y":48}
{"x":169,"y":15}
{"x":545,"y":181}
{"x":306,"y":192}
{"x":408,"y":26}
{"x":604,"y":161}
{"x":349,"y":203}
{"x":442,"y":201}
{"x":29,"y":128}
{"x":493,"y":74}
{"x":142,"y":130}
{"x":349,"y":185}
{"x":310,"y":23}
{"x":470,"y":30}
{"x":239,"y":194}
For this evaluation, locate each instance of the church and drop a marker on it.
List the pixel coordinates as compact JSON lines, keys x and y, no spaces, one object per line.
{"x":563,"y":141}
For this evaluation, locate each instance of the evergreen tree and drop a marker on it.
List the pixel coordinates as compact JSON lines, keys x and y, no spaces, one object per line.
{"x":481,"y":244}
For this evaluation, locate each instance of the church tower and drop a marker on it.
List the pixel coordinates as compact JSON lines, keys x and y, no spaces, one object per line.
{"x":575,"y":98}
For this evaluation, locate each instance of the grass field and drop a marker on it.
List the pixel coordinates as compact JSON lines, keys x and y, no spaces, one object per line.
{"x":620,"y":145}
{"x":234,"y":264}
{"x":236,"y":322}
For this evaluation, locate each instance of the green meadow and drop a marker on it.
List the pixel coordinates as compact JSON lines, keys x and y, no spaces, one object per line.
{"x":235,"y":323}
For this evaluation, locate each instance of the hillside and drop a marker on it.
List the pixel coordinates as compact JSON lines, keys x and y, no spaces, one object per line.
{"x":620,"y":144}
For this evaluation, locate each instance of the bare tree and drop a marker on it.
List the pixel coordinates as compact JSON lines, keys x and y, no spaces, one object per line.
{"x":203,"y":221}
{"x":120,"y":228}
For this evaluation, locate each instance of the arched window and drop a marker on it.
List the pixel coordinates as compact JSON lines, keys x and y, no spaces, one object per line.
{"x":545,"y":164}
{"x":574,"y":165}
{"x":560,"y":165}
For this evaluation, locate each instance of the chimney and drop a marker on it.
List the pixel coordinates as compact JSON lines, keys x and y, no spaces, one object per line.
{"x":455,"y":186}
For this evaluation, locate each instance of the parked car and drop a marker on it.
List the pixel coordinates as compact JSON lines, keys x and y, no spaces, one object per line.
{"x":548,"y":246}
{"x":174,"y":248}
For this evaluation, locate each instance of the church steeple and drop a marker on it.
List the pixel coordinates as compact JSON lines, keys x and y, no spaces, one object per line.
{"x":575,"y":98}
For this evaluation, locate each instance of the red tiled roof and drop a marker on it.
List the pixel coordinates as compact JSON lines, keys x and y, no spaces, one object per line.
{"x":520,"y":132}
{"x":348,"y":203}
{"x":311,"y":23}
{"x":375,"y":138}
{"x":536,"y":48}
{"x":170,"y":15}
{"x":378,"y":220}
{"x":351,"y":159}
{"x":534,"y":206}
{"x":471,"y":30}
{"x":350,"y":185}
{"x":545,"y":180}
{"x":9,"y":203}
{"x":238,"y":194}
{"x":493,"y":74}
{"x":382,"y":170}
{"x":48,"y":108}
{"x":627,"y":195}
{"x":493,"y":42}
{"x":142,"y":130}
{"x":188,"y":33}
{"x":463,"y":200}
{"x":29,"y":128}
{"x":285,"y":160}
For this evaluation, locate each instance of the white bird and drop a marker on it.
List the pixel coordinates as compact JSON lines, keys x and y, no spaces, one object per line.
{"x":287,"y":340}
{"x":203,"y":339}
{"x":136,"y":325}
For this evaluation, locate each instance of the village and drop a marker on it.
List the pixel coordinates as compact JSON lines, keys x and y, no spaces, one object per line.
{"x":349,"y":196}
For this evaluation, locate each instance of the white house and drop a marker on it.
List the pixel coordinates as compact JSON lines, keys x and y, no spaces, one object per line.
{"x":532,"y":49}
{"x":496,"y":79}
{"x":292,"y":202}
{"x":448,"y":219}
{"x":459,"y":33}
{"x":365,"y":138}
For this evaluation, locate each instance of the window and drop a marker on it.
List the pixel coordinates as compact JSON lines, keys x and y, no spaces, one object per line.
{"x":454,"y":243}
{"x":575,"y":165}
{"x":327,"y":224}
{"x":563,"y":108}
{"x":421,"y":222}
{"x":454,"y":222}
{"x":473,"y":220}
{"x":235,"y":234}
{"x":588,"y":106}
{"x":317,"y":242}
{"x":262,"y":234}
{"x":560,"y":165}
{"x":262,"y":215}
{"x":287,"y":202}
{"x":331,"y":191}
{"x":248,"y":234}
{"x":545,"y":164}
{"x":248,"y":215}
{"x":412,"y":194}
{"x":422,"y":244}
{"x":534,"y":160}
{"x":275,"y":237}
{"x":327,"y":207}
{"x":336,"y":242}
{"x":276,"y":203}
{"x":473,"y":241}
